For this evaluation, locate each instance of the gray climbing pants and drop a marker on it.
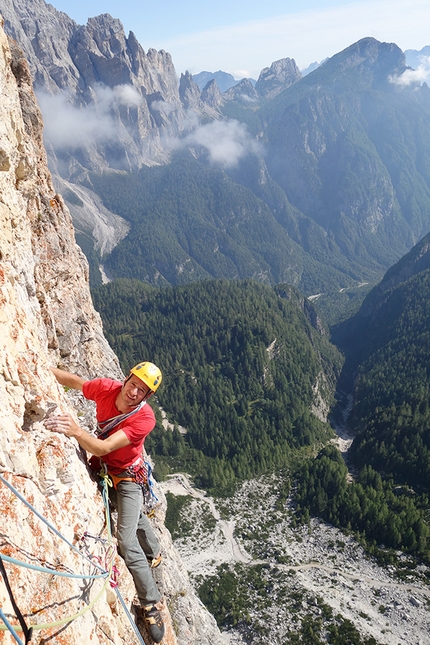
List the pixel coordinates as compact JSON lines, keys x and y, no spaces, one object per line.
{"x":136,"y":539}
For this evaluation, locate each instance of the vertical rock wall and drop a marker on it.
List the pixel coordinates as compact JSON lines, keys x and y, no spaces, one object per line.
{"x":47,"y":318}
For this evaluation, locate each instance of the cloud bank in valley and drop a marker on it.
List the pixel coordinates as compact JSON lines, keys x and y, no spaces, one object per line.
{"x":68,"y":126}
{"x":226,"y":142}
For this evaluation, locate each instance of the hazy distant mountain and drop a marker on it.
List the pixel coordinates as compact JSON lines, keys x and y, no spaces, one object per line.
{"x":415,"y":58}
{"x":223,"y":79}
{"x":349,"y":145}
{"x":310,"y":68}
{"x":276,"y":78}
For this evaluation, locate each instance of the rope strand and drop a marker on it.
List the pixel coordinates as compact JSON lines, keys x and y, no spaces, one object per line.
{"x":107,"y":574}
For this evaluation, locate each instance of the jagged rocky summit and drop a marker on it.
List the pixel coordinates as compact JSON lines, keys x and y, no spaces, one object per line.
{"x":135,"y":95}
{"x":95,"y":68}
{"x":47,"y":318}
{"x":124,"y":106}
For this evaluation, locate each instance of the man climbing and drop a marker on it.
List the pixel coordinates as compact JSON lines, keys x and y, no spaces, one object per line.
{"x":124,"y":420}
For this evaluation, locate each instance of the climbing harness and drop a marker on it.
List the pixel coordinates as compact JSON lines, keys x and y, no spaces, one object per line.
{"x":110,"y":575}
{"x":139,"y":472}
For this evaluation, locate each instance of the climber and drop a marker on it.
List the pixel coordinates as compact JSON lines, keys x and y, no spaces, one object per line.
{"x":124,"y":420}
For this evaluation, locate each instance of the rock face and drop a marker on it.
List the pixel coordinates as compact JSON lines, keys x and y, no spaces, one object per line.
{"x":96,"y":73}
{"x":280,"y":75}
{"x":47,"y":318}
{"x":120,"y":103}
{"x":211,"y":94}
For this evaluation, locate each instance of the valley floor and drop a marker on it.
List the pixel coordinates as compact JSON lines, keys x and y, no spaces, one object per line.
{"x":304,"y":570}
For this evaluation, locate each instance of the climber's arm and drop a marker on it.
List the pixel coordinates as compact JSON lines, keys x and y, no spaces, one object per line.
{"x":68,"y":379}
{"x":64,"y":424}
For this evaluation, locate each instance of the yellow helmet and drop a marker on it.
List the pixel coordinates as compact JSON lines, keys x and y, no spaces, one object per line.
{"x":148,"y":373}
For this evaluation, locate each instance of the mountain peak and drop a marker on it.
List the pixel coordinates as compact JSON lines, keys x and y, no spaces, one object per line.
{"x":280,"y":75}
{"x":383,"y":58}
{"x":224,"y":80}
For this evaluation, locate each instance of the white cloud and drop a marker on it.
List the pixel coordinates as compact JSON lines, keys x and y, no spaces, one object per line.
{"x":226,"y":141}
{"x":127,"y":95}
{"x":414,"y":76}
{"x":71,"y":126}
{"x":68,"y":126}
{"x":163,"y":106}
{"x":247,"y":99}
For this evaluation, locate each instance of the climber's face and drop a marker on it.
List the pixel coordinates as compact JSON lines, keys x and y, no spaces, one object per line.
{"x":133,"y":392}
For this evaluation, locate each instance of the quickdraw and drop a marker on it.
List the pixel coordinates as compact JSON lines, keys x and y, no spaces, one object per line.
{"x":107,"y":561}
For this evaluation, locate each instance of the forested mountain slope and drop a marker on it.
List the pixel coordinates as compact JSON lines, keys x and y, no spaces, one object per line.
{"x":386,"y":313}
{"x":388,"y":356}
{"x":247,"y":370}
{"x":348,"y":144}
{"x":387,"y":350}
{"x":189,"y":222}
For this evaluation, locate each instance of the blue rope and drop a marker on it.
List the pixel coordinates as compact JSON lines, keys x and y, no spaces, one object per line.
{"x":130,"y":617}
{"x":105,"y":496}
{"x":150,"y":482}
{"x":53,"y":572}
{"x":48,"y":524}
{"x":10,"y":628}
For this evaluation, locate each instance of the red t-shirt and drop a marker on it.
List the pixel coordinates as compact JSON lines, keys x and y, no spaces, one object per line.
{"x":104,"y":392}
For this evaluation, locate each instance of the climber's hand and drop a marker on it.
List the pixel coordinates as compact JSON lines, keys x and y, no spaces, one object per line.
{"x":63,"y":424}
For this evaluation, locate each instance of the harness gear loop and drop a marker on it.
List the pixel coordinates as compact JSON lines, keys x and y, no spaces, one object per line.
{"x":137,"y":472}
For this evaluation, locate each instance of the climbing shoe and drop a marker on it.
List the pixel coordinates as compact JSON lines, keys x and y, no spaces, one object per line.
{"x":154,"y":562}
{"x":154,"y":623}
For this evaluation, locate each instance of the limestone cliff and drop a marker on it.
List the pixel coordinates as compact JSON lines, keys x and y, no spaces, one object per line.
{"x":47,"y":318}
{"x":124,"y":101}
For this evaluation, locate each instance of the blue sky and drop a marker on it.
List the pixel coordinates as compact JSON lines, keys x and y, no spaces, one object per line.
{"x":244,"y":37}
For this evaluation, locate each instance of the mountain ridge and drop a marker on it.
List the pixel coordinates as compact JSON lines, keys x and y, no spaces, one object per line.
{"x":341,"y":184}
